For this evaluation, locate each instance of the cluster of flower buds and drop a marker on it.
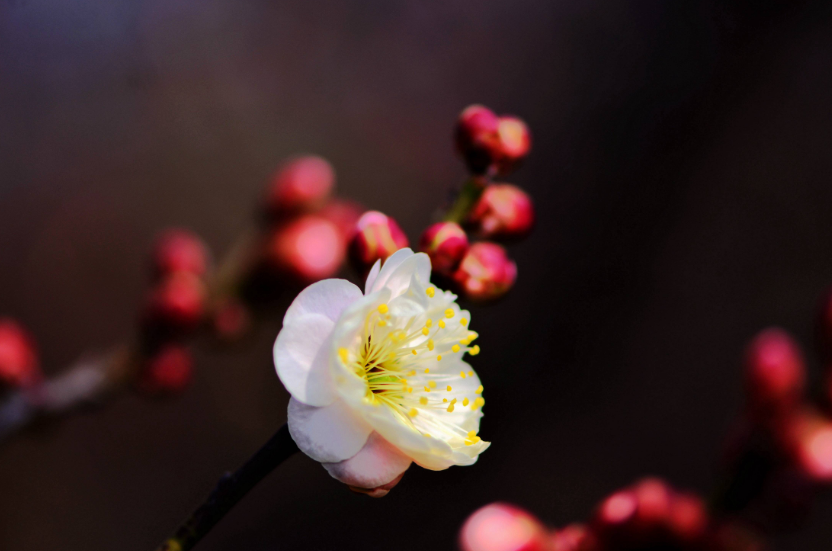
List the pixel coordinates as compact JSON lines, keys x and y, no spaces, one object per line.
{"x":174,"y":309}
{"x":307,"y":230}
{"x":19,"y":366}
{"x":491,"y":144}
{"x":647,"y":515}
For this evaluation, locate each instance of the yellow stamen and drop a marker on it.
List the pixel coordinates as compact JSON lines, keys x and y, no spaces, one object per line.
{"x":449,"y":388}
{"x":427,"y":389}
{"x":439,"y":357}
{"x":425,"y":331}
{"x":430,"y":291}
{"x":472,"y":434}
{"x":465,"y":402}
{"x":414,"y":351}
{"x":427,"y":370}
{"x":429,"y":322}
{"x":470,"y":373}
{"x":382,"y":323}
{"x":430,"y":344}
{"x":479,"y":390}
{"x":343,"y":354}
{"x":450,"y":408}
{"x":432,"y":384}
{"x":449,"y":313}
{"x":413,"y":412}
{"x":455,"y":348}
{"x":463,"y":321}
{"x":441,"y":324}
{"x":462,"y":374}
{"x":423,"y":401}
{"x":445,"y":400}
{"x":475,"y":350}
{"x":383,"y":308}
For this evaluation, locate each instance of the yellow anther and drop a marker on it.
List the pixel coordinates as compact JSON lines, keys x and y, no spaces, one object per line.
{"x":474,"y":350}
{"x":472,"y":434}
{"x":466,"y":342}
{"x":463,"y":321}
{"x":425,"y":331}
{"x":391,"y":356}
{"x":410,"y":389}
{"x":343,"y":354}
{"x":479,"y":390}
{"x":412,"y":373}
{"x":450,"y":408}
{"x":427,"y":435}
{"x":414,"y":352}
{"x":383,"y":308}
{"x":479,"y":402}
{"x":472,"y":441}
{"x":453,"y":401}
{"x":462,"y":374}
{"x":449,"y":313}
{"x":455,"y":348}
{"x":404,"y":382}
{"x":413,"y":412}
{"x":430,"y":291}
{"x":429,"y":322}
{"x":441,"y":324}
{"x":449,"y":388}
{"x":465,"y":401}
{"x":427,"y":370}
{"x":423,"y":401}
{"x":427,"y":389}
{"x":432,"y":384}
{"x":472,"y":336}
{"x":382,"y":323}
{"x":445,"y":400}
{"x":430,"y":344}
{"x":470,"y":373}
{"x":438,"y":357}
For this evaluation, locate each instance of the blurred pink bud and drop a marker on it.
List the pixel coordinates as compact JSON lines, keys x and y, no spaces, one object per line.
{"x":515,"y":142}
{"x":478,"y":138}
{"x":379,"y":491}
{"x":688,"y":517}
{"x":616,"y":511}
{"x":18,"y":358}
{"x":485,"y":272}
{"x":445,"y":243}
{"x":178,"y":250}
{"x":308,"y":248}
{"x":301,"y":184}
{"x":344,"y":214}
{"x":503,"y":210}
{"x":168,"y":371}
{"x":808,"y":436}
{"x":231,"y":320}
{"x":503,"y":527}
{"x":774,"y":371}
{"x":177,"y":302}
{"x":376,"y":237}
{"x":575,"y":537}
{"x":653,"y":510}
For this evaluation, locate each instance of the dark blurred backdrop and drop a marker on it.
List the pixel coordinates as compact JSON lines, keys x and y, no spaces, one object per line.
{"x":680,"y":171}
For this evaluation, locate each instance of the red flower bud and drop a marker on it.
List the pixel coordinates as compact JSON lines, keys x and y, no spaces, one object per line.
{"x":179,"y":250}
{"x":177,"y":302}
{"x":18,"y":359}
{"x":688,"y":517}
{"x":503,"y":210}
{"x":485,"y":273}
{"x":515,"y":142}
{"x":774,"y":372}
{"x":168,"y":371}
{"x":376,"y":237}
{"x":616,"y":511}
{"x":653,"y":510}
{"x":503,"y":527}
{"x":477,"y":137}
{"x":344,"y":214}
{"x":308,"y":248}
{"x":445,"y":243}
{"x":575,"y":537}
{"x":301,"y":184}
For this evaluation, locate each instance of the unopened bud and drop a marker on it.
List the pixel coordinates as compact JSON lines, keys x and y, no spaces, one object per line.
{"x":575,"y":537}
{"x":503,"y":210}
{"x":774,"y":371}
{"x":515,"y":142}
{"x":18,"y":358}
{"x":301,"y":184}
{"x":179,"y":250}
{"x":308,"y":248}
{"x":168,"y":371}
{"x":477,"y":137}
{"x":485,"y":272}
{"x":177,"y":303}
{"x":503,"y":527}
{"x":688,"y":517}
{"x":808,"y":438}
{"x":376,"y":237}
{"x":445,"y":243}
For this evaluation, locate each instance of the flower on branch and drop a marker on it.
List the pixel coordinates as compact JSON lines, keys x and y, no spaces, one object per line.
{"x":378,"y":378}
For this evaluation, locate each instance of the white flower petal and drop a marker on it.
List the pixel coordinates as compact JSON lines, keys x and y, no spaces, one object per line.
{"x":301,"y":357}
{"x":414,"y":266}
{"x":376,"y":464}
{"x":390,"y":265}
{"x":329,"y":297}
{"x":371,"y":277}
{"x":328,"y":434}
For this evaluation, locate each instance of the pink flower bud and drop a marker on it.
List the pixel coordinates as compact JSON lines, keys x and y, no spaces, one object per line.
{"x":615,"y":512}
{"x":808,"y":437}
{"x":503,"y":210}
{"x":179,"y":250}
{"x":485,"y":273}
{"x":379,"y":491}
{"x":168,"y":371}
{"x":308,"y":248}
{"x":18,"y":359}
{"x":344,"y":214}
{"x":774,"y":371}
{"x":653,"y":509}
{"x":515,"y":142}
{"x":177,"y":302}
{"x":688,"y":517}
{"x":445,"y":243}
{"x":575,"y":537}
{"x":376,"y":237}
{"x":503,"y":527}
{"x":301,"y":184}
{"x":478,"y":138}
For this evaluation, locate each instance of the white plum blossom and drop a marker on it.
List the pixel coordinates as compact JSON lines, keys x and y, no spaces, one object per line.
{"x":377,"y":378}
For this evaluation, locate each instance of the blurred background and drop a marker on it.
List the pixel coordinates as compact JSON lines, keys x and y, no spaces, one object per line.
{"x":679,"y":170}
